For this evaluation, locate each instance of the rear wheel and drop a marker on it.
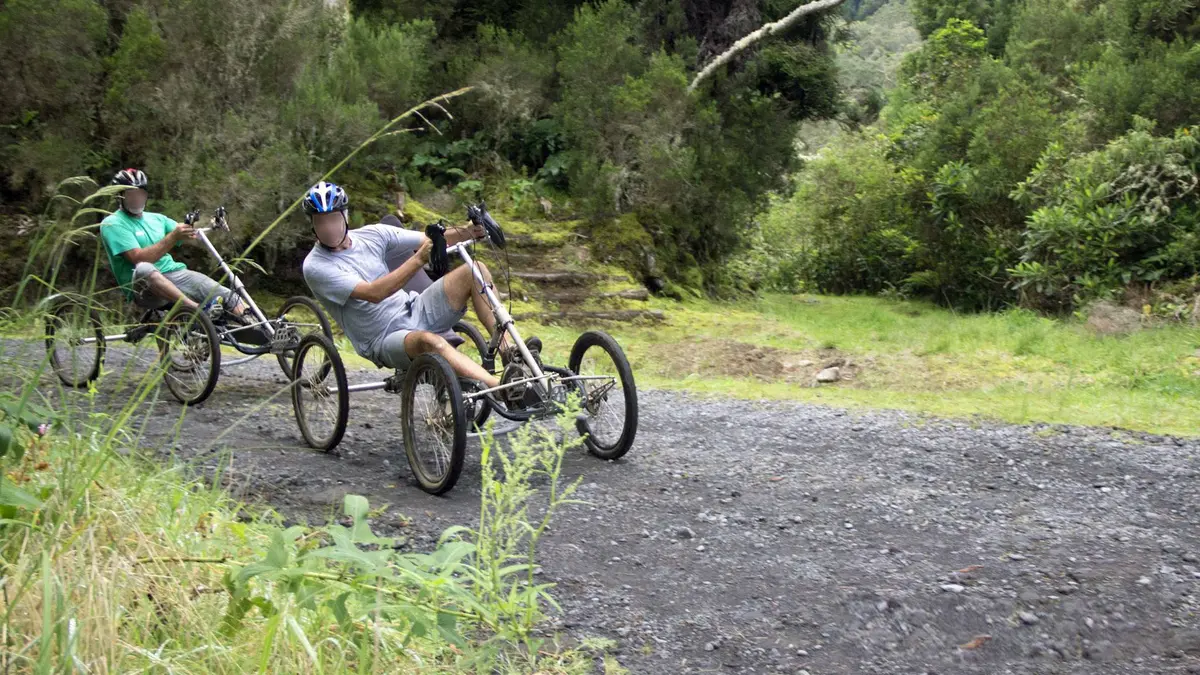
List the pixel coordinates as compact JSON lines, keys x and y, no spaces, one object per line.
{"x":434,"y":423}
{"x":190,"y":353}
{"x":609,"y":396}
{"x":75,"y":343}
{"x":475,"y":346}
{"x":299,"y":316}
{"x":321,"y":402}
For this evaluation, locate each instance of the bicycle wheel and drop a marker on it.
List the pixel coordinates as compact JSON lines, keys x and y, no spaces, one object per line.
{"x":190,"y":353}
{"x":299,"y":316}
{"x":610,"y":413}
{"x":479,"y":409}
{"x":322,"y":406}
{"x":75,"y":343}
{"x":433,"y":422}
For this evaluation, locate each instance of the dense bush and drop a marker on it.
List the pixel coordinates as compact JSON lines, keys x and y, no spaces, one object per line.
{"x":1126,"y":213}
{"x":848,"y":225}
{"x":1014,"y":124}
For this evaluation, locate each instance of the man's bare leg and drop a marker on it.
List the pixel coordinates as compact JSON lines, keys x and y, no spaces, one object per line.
{"x":423,"y":342}
{"x":460,"y":284}
{"x":161,"y":287}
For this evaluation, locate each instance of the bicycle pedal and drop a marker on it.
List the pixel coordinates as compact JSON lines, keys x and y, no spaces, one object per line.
{"x":137,"y":333}
{"x":530,"y":399}
{"x":395,"y":383}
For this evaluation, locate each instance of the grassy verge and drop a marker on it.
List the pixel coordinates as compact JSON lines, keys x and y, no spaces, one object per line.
{"x":110,"y":562}
{"x":1014,"y":366}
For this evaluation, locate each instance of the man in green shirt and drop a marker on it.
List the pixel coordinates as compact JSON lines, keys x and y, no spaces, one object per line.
{"x":137,"y":243}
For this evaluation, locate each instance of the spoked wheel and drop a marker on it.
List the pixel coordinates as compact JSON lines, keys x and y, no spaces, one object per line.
{"x":191,"y":353}
{"x":299,"y":316}
{"x":480,"y":408}
{"x":609,"y":395}
{"x":321,"y":402}
{"x":434,"y":423}
{"x":75,"y":343}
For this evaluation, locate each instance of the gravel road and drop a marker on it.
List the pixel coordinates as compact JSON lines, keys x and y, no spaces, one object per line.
{"x":753,"y":537}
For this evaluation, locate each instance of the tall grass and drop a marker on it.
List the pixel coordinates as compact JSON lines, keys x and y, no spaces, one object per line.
{"x":111,"y":562}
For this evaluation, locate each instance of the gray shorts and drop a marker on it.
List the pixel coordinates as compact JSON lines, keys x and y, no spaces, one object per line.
{"x":433,"y":312}
{"x":196,"y":286}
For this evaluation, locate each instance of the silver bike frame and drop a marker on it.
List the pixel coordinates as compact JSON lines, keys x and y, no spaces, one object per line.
{"x":236,"y":284}
{"x":502,"y":317}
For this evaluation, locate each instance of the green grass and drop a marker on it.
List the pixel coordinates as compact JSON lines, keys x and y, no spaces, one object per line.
{"x":1013,"y":366}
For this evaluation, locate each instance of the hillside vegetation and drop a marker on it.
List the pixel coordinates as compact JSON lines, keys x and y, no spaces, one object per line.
{"x":1036,"y":153}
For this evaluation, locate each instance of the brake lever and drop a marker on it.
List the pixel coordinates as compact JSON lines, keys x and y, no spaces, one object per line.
{"x":478,"y":215}
{"x":191,"y":217}
{"x":219,"y":219}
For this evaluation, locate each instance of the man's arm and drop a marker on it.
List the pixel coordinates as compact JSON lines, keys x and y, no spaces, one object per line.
{"x":385,"y":286}
{"x":467,"y":232}
{"x":169,"y":226}
{"x":152,"y":253}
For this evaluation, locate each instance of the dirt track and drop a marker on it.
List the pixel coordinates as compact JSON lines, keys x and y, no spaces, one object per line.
{"x":751,"y":537}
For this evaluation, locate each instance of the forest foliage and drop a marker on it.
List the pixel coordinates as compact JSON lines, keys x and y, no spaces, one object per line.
{"x":980,"y":153}
{"x":1033,"y":152}
{"x":585,"y":104}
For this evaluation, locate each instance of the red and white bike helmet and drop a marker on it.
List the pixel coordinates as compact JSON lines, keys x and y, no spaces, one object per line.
{"x":134,"y":178}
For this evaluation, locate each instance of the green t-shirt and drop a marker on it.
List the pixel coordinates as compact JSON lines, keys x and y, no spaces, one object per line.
{"x":121,"y":232}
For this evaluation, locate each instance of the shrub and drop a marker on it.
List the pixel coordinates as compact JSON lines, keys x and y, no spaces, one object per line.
{"x":1126,"y":213}
{"x":848,"y":227}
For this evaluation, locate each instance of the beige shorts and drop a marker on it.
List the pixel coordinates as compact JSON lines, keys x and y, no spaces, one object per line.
{"x":196,"y":286}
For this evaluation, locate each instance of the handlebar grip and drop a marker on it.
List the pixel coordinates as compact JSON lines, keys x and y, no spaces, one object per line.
{"x":219,"y":222}
{"x":439,"y":260}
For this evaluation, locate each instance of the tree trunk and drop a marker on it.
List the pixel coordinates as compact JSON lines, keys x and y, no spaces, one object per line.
{"x":774,"y":27}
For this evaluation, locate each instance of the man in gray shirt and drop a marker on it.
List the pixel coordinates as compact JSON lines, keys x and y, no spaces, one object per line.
{"x":360,"y":277}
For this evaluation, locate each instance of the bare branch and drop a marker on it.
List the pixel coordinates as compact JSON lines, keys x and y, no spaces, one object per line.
{"x":774,"y":27}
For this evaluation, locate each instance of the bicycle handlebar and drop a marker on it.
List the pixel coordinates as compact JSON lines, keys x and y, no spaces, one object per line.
{"x":478,"y":215}
{"x":218,"y":220}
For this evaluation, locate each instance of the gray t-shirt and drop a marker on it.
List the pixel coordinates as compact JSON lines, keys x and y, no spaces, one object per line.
{"x":374,"y":251}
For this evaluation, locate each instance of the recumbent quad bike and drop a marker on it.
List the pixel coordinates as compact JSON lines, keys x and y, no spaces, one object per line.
{"x":189,"y":340}
{"x":437,"y":407}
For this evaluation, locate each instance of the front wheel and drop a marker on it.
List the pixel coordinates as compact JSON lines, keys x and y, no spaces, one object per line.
{"x":75,"y":343}
{"x":434,"y":423}
{"x":299,"y":316}
{"x":322,"y":406}
{"x":190,"y":353}
{"x":609,"y":417}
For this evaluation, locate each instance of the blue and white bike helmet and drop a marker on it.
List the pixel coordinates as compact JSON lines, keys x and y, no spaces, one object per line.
{"x":325,"y":197}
